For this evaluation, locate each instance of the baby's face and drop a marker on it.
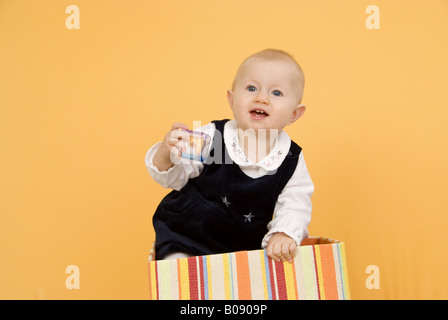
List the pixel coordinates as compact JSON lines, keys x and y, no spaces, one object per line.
{"x":266,"y":95}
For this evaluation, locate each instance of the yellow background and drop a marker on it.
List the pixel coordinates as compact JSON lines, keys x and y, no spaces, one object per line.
{"x":80,"y":108}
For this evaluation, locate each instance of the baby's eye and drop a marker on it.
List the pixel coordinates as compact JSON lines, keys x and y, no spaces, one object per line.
{"x":251,"y":89}
{"x":277,"y":93}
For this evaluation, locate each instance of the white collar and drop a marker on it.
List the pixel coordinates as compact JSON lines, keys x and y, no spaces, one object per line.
{"x":271,"y":162}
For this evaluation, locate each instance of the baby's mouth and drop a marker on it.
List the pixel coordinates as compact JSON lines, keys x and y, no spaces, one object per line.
{"x":259,"y":113}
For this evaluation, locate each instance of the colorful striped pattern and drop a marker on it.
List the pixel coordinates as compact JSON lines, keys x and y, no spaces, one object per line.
{"x":318,"y":272}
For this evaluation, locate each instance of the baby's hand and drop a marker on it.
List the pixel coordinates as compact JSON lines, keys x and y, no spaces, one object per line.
{"x":281,"y":247}
{"x":169,"y":150}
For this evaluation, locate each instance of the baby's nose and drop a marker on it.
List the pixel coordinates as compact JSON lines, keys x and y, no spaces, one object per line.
{"x":262,"y":97}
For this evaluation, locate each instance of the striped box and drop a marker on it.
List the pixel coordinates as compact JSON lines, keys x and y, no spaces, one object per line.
{"x":318,"y":271}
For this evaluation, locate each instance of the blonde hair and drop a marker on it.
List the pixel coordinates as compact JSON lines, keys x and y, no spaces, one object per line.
{"x":273,"y":55}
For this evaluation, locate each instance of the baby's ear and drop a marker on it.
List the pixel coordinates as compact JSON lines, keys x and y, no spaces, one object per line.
{"x":230,"y":98}
{"x":299,"y":110}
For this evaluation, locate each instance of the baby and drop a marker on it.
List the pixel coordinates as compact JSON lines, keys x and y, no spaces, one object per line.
{"x":254,"y":191}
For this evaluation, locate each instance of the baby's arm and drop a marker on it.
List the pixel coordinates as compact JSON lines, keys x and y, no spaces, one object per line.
{"x":292,"y":214}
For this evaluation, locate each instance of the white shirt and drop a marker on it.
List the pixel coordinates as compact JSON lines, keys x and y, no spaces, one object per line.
{"x":292,"y":212}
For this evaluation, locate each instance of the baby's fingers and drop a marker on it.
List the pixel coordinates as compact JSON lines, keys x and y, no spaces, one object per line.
{"x":176,"y":140}
{"x":277,"y":252}
{"x":288,"y":251}
{"x":178,"y":125}
{"x":177,"y":136}
{"x":281,"y":251}
{"x":270,"y":252}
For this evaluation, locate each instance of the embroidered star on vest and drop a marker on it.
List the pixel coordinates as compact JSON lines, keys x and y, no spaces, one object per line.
{"x":225,"y":201}
{"x":248,"y":217}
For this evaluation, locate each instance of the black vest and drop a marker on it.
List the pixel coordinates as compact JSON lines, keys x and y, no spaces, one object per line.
{"x":221,"y":210}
